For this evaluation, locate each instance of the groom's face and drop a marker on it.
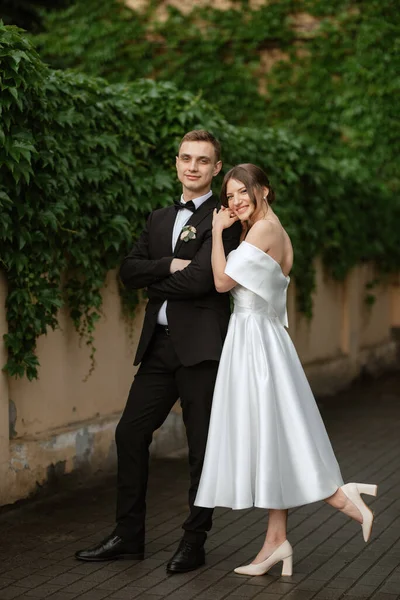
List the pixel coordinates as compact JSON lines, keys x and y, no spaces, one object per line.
{"x":196,"y":166}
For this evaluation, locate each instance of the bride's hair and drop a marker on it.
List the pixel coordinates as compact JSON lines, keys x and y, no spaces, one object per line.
{"x":252,"y":177}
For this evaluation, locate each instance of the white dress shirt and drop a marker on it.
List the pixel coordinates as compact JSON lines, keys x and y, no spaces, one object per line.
{"x":182,"y":217}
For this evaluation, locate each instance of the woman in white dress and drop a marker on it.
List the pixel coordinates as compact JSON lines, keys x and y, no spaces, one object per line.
{"x":267,"y":444}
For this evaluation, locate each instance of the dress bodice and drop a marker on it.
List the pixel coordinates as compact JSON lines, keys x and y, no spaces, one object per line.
{"x":262,"y":286}
{"x":247,"y":301}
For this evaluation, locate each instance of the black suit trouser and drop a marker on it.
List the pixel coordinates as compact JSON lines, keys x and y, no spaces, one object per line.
{"x":159,"y":382}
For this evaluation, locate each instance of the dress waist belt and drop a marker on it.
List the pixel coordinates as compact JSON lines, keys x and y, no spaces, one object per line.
{"x":265,"y":311}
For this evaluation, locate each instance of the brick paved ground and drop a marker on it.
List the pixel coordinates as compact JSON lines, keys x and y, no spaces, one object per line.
{"x":37,"y":541}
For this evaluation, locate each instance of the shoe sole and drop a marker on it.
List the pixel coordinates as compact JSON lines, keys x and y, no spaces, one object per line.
{"x":119,"y":556}
{"x":369,"y":533}
{"x":172,"y":571}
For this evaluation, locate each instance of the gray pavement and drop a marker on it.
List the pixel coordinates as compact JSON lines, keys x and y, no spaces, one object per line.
{"x":331,"y":561}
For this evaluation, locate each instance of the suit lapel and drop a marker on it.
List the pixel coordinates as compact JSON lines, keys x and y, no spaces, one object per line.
{"x":197,"y":217}
{"x":164,"y":243}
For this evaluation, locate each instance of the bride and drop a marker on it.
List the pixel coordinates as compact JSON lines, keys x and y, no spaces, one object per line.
{"x":267,"y":444}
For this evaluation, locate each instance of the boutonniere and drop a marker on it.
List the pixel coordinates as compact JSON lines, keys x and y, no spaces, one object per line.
{"x":188,"y":233}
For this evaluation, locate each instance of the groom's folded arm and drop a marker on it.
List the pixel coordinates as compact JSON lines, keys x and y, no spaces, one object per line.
{"x":138,"y":270}
{"x":197,"y":278}
{"x":192,"y":281}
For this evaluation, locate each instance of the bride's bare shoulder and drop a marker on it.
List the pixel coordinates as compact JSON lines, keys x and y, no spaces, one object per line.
{"x":263,"y":234}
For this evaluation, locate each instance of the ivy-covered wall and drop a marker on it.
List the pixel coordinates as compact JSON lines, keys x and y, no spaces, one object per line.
{"x":82,"y":162}
{"x":329,"y":70}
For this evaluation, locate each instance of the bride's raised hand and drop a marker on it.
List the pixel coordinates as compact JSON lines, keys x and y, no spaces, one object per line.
{"x":223,"y":218}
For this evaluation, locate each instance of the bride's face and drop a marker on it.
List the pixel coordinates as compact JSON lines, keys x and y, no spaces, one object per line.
{"x":239,"y":200}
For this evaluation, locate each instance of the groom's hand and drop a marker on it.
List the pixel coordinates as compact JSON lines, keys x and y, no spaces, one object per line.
{"x":194,"y":279}
{"x":178,"y":264}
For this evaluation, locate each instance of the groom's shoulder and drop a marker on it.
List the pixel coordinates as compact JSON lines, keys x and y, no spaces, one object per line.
{"x":161,"y":212}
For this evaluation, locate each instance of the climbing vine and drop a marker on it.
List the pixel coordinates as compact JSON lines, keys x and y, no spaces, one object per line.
{"x":327,"y":70}
{"x":82,"y":163}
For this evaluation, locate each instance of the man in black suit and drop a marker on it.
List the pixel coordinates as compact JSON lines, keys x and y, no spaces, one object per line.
{"x":179,"y":349}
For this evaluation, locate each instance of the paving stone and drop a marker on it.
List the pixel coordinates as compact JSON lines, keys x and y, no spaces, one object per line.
{"x":10,"y":592}
{"x":310,"y":585}
{"x":280,"y":587}
{"x":43,"y":591}
{"x":299,"y":595}
{"x":328,"y":594}
{"x":63,"y":595}
{"x":113,"y":584}
{"x":79,"y":587}
{"x":260,"y":596}
{"x":341,"y":583}
{"x":391,"y":587}
{"x":383,"y":596}
{"x":65,"y":579}
{"x":150,"y":597}
{"x":127,"y":593}
{"x":32,"y":581}
{"x":94,"y":595}
{"x":246,"y":591}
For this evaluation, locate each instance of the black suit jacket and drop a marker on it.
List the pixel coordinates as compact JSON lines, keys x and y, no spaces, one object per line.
{"x":197,"y":314}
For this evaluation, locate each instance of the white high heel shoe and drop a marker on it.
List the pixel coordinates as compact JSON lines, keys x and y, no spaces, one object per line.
{"x":353,"y":491}
{"x":284,"y":553}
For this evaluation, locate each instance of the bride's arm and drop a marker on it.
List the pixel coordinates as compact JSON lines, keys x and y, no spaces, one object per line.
{"x":223,"y":283}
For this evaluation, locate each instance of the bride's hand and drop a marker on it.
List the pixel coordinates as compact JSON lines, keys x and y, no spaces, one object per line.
{"x":223,"y":218}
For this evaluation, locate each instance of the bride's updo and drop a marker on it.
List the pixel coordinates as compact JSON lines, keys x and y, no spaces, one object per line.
{"x":252,"y":177}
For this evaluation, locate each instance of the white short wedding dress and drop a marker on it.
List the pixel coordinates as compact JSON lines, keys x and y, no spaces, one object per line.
{"x":267,"y":444}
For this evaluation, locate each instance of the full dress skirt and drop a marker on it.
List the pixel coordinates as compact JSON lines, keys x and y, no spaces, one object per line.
{"x":267,"y":444}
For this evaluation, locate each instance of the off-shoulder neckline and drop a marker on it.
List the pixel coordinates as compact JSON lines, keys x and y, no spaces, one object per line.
{"x":287,"y":277}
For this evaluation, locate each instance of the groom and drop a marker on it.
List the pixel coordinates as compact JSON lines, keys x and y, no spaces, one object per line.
{"x":179,"y":349}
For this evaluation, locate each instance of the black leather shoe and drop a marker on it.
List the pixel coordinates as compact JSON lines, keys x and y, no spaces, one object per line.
{"x":110,"y":548}
{"x":187,"y":558}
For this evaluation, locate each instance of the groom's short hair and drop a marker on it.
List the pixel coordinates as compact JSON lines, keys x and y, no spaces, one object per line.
{"x":201,"y":135}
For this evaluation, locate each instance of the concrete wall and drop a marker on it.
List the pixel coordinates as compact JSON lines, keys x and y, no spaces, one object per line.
{"x":64,"y":422}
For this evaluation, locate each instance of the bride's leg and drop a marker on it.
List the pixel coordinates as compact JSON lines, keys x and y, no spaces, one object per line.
{"x":275,"y":536}
{"x":348,"y":500}
{"x":340,"y":501}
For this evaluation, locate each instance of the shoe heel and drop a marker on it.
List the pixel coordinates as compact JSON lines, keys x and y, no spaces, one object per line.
{"x":367,"y":488}
{"x":287,"y":567}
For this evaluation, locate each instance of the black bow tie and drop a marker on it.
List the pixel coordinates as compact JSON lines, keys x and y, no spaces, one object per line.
{"x":189,"y":205}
